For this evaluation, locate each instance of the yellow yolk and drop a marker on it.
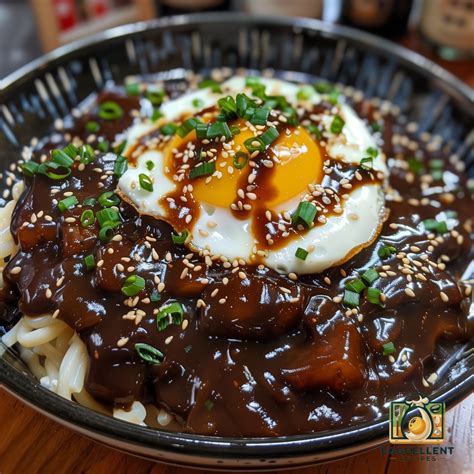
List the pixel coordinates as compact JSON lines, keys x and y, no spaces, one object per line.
{"x":297,"y":163}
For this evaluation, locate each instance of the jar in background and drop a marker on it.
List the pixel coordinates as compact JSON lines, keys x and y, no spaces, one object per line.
{"x":448,"y":26}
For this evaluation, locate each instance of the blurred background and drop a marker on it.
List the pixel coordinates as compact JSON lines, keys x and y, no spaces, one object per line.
{"x":443,"y":30}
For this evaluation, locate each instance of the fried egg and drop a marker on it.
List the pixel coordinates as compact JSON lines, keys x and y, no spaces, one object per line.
{"x":248,"y":207}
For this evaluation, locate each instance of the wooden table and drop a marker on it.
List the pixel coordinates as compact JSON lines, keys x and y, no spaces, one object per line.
{"x":31,"y":443}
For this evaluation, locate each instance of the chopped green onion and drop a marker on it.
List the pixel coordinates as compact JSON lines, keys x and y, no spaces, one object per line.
{"x":373,"y":296}
{"x":61,"y":158}
{"x":87,"y":218}
{"x":388,"y":348}
{"x":372,"y":152}
{"x":155,"y":97}
{"x":436,"y":164}
{"x":180,"y":238}
{"x":149,"y":353}
{"x":71,"y":151}
{"x":323,"y":87}
{"x":351,"y":298}
{"x":155,"y":296}
{"x":209,"y":405}
{"x":269,"y":136}
{"x":234,"y":129}
{"x":107,"y":217}
{"x":367,"y":163}
{"x":168,"y":129}
{"x":315,"y":130}
{"x":376,"y":126}
{"x":109,"y":199}
{"x":149,"y":165}
{"x":197,"y":103}
{"x":334,"y":97}
{"x":132,"y":88}
{"x":187,"y":126}
{"x":370,"y":275}
{"x":251,"y":81}
{"x":133,"y":285}
{"x":356,"y":286}
{"x":438,"y":226}
{"x":254,"y":144}
{"x":305,"y":214}
{"x":155,"y":115}
{"x":227,"y":106}
{"x":260,"y":116}
{"x":86,"y":153}
{"x":415,"y":165}
{"x":89,"y":262}
{"x":386,"y":251}
{"x":89,"y":202}
{"x":305,"y":93}
{"x":120,"y":166}
{"x":103,"y":146}
{"x":206,"y":169}
{"x":54,"y":171}
{"x":118,"y":150}
{"x":337,"y":125}
{"x":110,"y":110}
{"x":92,"y":126}
{"x":67,"y":203}
{"x":145,"y":182}
{"x":240,"y":159}
{"x":170,"y":314}
{"x":301,"y":253}
{"x":106,"y":233}
{"x":29,"y":168}
{"x":218,"y":129}
{"x":213,"y":85}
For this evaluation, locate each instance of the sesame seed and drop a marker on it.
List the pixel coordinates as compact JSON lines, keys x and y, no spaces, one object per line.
{"x":15,"y":270}
{"x":222,"y":300}
{"x":200,"y":303}
{"x":409,"y":292}
{"x":444,"y":296}
{"x":168,"y":340}
{"x":184,"y":324}
{"x":293,"y":276}
{"x":56,"y":313}
{"x":122,"y":341}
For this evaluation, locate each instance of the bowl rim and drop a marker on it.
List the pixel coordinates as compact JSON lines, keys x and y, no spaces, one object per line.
{"x":86,"y":420}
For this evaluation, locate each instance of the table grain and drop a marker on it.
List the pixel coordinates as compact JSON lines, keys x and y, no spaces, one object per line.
{"x":31,"y":443}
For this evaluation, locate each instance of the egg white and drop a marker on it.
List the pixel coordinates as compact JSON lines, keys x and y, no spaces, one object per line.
{"x":218,"y":231}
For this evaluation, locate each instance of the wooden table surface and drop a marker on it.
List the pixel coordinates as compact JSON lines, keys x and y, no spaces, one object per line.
{"x":30,"y":443}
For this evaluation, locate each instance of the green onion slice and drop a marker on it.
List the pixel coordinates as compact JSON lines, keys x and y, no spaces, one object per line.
{"x":170,"y":314}
{"x":120,"y":166}
{"x":155,"y":115}
{"x":305,"y":93}
{"x":107,"y":217}
{"x":372,"y":152}
{"x":240,"y":159}
{"x":337,"y":125}
{"x":168,"y":129}
{"x":145,"y":182}
{"x":103,"y":146}
{"x":210,"y":83}
{"x":206,"y":169}
{"x":132,"y":88}
{"x":86,"y":153}
{"x":388,"y":348}
{"x":370,"y":276}
{"x":301,"y":253}
{"x":110,"y":110}
{"x":367,"y":163}
{"x":109,"y":199}
{"x":149,"y":165}
{"x":106,"y":233}
{"x":87,"y":218}
{"x":197,"y":103}
{"x":356,"y":286}
{"x":351,"y":298}
{"x":89,"y":202}
{"x":218,"y":129}
{"x":180,"y":238}
{"x":386,"y":251}
{"x":29,"y":168}
{"x":155,"y":96}
{"x":133,"y":285}
{"x":254,"y":144}
{"x":92,"y":126}
{"x":89,"y":262}
{"x":187,"y":127}
{"x":373,"y":296}
{"x":269,"y":136}
{"x":54,"y":171}
{"x":149,"y":353}
{"x":61,"y":158}
{"x":305,"y":214}
{"x":67,"y":203}
{"x":437,"y":226}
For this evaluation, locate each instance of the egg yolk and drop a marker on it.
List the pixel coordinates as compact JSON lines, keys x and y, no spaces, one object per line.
{"x":297,"y":163}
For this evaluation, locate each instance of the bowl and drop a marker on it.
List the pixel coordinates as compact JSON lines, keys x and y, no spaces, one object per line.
{"x":32,"y":98}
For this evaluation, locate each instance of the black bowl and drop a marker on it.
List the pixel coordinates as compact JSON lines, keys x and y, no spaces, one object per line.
{"x":299,"y":49}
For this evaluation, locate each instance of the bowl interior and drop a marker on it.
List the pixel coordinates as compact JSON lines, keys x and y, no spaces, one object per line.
{"x":32,"y":99}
